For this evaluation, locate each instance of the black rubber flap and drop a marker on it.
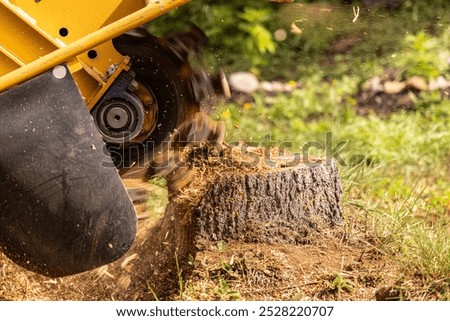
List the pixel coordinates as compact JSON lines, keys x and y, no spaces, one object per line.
{"x":63,"y":207}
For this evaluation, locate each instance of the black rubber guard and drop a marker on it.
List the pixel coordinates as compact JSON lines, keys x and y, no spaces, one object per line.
{"x":63,"y":207}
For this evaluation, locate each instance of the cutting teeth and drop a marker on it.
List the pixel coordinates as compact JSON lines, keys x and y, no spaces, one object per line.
{"x":205,"y":85}
{"x":183,"y":44}
{"x":173,"y":160}
{"x":198,"y":86}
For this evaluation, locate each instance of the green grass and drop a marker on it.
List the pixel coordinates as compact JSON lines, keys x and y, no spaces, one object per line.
{"x":158,"y":198}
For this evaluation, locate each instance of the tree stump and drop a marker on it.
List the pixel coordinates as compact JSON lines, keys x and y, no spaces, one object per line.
{"x":275,"y":206}
{"x":227,"y":200}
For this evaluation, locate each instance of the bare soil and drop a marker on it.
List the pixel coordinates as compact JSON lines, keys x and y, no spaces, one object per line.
{"x":329,"y":268}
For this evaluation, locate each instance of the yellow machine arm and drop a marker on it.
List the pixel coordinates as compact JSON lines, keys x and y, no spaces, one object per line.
{"x":38,"y":35}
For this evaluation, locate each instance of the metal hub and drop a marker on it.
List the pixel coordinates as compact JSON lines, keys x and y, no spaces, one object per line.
{"x":126,"y":116}
{"x":120,"y":120}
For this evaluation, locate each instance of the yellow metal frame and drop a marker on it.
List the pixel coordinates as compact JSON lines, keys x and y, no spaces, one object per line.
{"x":38,"y":35}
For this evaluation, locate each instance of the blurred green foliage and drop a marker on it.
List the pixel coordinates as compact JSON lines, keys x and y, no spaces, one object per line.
{"x":237,"y":30}
{"x":423,"y":56}
{"x":241,"y":34}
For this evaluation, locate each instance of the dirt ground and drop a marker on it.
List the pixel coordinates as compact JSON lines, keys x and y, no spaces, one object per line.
{"x":329,"y":268}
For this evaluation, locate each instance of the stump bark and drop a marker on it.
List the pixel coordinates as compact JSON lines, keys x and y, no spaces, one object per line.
{"x":280,"y":205}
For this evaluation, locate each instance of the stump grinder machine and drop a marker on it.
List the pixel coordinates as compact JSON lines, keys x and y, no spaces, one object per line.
{"x":85,"y":91}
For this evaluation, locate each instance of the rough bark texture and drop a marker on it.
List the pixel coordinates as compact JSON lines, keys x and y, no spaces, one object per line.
{"x":282,"y":205}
